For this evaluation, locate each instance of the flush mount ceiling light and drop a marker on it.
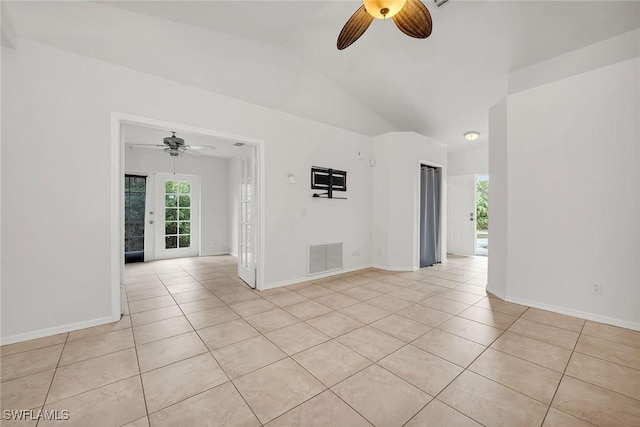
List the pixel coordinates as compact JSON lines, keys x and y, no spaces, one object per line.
{"x":472,"y":135}
{"x":410,"y":16}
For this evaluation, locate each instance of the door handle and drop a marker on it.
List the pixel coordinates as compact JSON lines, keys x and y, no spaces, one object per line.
{"x":470,"y":219}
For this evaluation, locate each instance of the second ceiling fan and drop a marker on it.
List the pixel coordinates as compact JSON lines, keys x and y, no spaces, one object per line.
{"x":411,"y":16}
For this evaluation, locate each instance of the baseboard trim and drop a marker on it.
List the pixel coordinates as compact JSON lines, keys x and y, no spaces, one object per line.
{"x":41,"y":333}
{"x":216,"y":253}
{"x":314,"y":277}
{"x":575,"y":313}
{"x":496,"y":293}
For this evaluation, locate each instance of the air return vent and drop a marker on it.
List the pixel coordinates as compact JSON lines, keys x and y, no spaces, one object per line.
{"x":325,"y":258}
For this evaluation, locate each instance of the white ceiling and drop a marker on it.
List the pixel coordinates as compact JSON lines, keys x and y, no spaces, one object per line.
{"x":138,"y":137}
{"x":441,"y":87}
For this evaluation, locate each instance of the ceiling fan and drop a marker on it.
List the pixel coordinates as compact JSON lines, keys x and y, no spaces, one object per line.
{"x":176,"y":146}
{"x":411,"y":16}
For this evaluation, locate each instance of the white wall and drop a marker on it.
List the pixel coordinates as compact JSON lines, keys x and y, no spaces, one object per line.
{"x":56,"y":203}
{"x":215,"y":199}
{"x":395,"y":197}
{"x":471,"y":161}
{"x":573,"y":197}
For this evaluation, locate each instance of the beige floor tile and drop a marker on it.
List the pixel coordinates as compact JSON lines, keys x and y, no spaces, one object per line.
{"x":488,"y":317}
{"x":142,"y":422}
{"x":190,"y":296}
{"x":151,"y":316}
{"x":239,"y":294}
{"x":271,"y":320}
{"x":547,"y":355}
{"x":29,"y":362}
{"x":437,"y":414}
{"x":161,"y":329}
{"x":123,"y":323}
{"x":595,"y":404}
{"x":96,"y":345}
{"x":227,"y":333}
{"x":426,"y":315}
{"x":173,"y":383}
{"x":151,"y":304}
{"x":364,"y":312}
{"x":381,"y":397}
{"x":361,"y":294}
{"x":25,"y":392}
{"x":212,"y":317}
{"x":331,"y":362}
{"x":93,"y":373}
{"x":141,"y":286}
{"x":556,"y":418}
{"x":428,"y":289}
{"x":401,"y":327}
{"x":286,"y":298}
{"x":389,"y":303}
{"x":252,"y":306}
{"x":201,"y":305}
{"x":463,"y":297}
{"x":554,"y":319}
{"x":246,"y":356}
{"x":21,"y":347}
{"x":472,"y":289}
{"x":185,"y":287}
{"x":370,"y":342}
{"x":382,"y":287}
{"x":326,"y":409}
{"x":550,"y":334}
{"x":469,"y":329}
{"x":495,"y":304}
{"x":443,"y":304}
{"x":314,"y":291}
{"x":609,"y":350}
{"x":533,"y":380}
{"x":229,"y":409}
{"x":146,"y":293}
{"x":490,"y":403}
{"x":605,"y":374}
{"x":397,"y":280}
{"x":334,"y":324}
{"x":275,"y":389}
{"x":411,"y":295}
{"x":112,"y":405}
{"x":163,"y":352}
{"x":612,"y":333}
{"x":450,"y":347}
{"x":429,"y":373}
{"x":307,"y":309}
{"x":296,"y":338}
{"x":336,"y":301}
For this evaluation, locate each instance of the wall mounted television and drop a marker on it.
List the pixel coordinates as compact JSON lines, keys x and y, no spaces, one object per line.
{"x":328,"y":179}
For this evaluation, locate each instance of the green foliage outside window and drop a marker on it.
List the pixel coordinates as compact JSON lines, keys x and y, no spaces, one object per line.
{"x":482,"y":205}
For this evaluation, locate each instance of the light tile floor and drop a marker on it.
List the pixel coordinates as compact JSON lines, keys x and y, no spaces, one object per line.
{"x":198,"y":347}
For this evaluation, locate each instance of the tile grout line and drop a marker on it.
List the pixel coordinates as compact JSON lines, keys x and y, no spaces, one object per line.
{"x":53,"y":377}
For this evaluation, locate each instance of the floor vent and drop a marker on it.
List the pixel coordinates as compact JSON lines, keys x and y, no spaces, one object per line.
{"x":325,"y":258}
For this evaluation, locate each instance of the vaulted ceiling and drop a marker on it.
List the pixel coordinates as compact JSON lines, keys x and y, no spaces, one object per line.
{"x":282,"y":54}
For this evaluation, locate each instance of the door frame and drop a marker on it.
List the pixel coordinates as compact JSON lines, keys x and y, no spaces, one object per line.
{"x":117,"y":196}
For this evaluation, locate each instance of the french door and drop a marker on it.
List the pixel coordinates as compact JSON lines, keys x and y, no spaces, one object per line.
{"x":247,"y":217}
{"x":177,"y":216}
{"x":135,"y":190}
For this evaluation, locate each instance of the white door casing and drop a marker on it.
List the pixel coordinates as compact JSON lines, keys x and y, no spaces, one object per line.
{"x":461,"y":214}
{"x":177,"y":216}
{"x":247,"y":249}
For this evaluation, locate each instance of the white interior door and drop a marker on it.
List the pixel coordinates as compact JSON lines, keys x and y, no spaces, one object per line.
{"x":461,"y":214}
{"x":247,"y":217}
{"x":177,"y":218}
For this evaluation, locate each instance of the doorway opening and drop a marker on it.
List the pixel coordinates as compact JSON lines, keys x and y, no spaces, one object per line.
{"x":430,"y":190}
{"x":482,"y":215}
{"x":171,"y":205}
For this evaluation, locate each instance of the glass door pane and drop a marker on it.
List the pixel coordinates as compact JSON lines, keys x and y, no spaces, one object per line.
{"x":134,"y":215}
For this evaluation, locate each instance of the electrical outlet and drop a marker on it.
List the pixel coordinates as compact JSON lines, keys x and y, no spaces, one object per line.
{"x":597,"y":288}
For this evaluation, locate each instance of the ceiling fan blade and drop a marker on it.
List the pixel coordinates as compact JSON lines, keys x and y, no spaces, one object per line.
{"x":354,"y":28}
{"x":414,"y":20}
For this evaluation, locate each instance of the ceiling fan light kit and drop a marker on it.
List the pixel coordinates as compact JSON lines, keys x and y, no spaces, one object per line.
{"x":410,"y":16}
{"x":472,"y":135}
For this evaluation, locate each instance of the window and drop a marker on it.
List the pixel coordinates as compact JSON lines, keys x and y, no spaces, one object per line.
{"x":177,"y":225}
